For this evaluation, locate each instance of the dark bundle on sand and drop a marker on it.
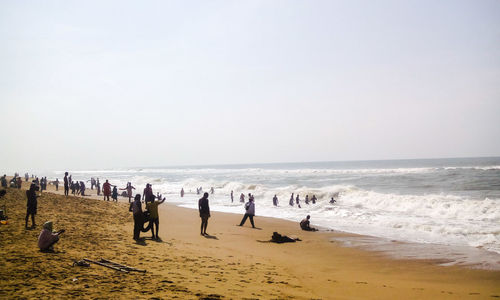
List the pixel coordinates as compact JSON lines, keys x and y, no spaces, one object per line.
{"x":278,"y":238}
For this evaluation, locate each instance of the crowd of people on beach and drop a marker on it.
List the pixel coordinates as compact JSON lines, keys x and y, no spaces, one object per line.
{"x":141,"y":217}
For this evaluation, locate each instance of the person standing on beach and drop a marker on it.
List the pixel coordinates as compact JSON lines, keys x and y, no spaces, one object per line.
{"x":147,"y":194}
{"x":291,"y":200}
{"x":154,"y":219}
{"x":57,"y":184}
{"x":106,"y":190}
{"x":204,"y":213}
{"x":232,"y":197}
{"x":31,"y":205}
{"x":250,"y":212}
{"x":98,"y":187}
{"x":129,"y":189}
{"x":114,"y":194}
{"x":182,"y":192}
{"x":275,"y":200}
{"x":136,"y":209}
{"x":4,"y":181}
{"x":66,"y":184}
{"x":307,"y":199}
{"x":313,"y":199}
{"x":242,"y":198}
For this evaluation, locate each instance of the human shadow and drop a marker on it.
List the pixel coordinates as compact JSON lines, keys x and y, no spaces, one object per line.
{"x":208,"y":236}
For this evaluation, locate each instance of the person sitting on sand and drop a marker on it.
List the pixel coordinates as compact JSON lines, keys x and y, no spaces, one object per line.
{"x":305,"y":225}
{"x":152,"y":207}
{"x":31,"y":205}
{"x":204,"y":210}
{"x":250,"y":212}
{"x":47,"y":238}
{"x":114,"y":194}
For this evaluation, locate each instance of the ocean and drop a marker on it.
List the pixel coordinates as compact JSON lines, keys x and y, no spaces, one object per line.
{"x":444,"y":209}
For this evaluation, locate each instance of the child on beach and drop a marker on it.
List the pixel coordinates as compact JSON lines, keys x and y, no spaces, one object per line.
{"x":114,"y":195}
{"x":152,"y":207}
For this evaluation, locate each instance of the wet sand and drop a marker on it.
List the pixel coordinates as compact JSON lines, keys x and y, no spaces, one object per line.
{"x":234,"y":262}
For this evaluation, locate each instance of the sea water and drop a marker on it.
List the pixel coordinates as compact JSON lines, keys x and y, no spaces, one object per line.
{"x":450,"y":203}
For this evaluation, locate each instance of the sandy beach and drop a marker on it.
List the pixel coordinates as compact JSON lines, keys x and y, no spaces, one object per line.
{"x":233,"y":262}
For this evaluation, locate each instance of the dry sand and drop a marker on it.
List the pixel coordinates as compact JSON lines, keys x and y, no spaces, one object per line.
{"x":234,"y":263}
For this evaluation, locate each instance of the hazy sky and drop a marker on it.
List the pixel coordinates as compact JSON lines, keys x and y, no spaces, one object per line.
{"x":98,"y":84}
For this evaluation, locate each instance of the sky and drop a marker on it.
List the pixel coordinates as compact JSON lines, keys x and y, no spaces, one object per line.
{"x":104,"y":84}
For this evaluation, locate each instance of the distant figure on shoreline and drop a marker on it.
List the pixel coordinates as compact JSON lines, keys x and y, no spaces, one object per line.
{"x":4,"y":181}
{"x":129,"y":189}
{"x":307,"y":199}
{"x":182,"y":192}
{"x":232,"y":196}
{"x":82,"y":188}
{"x":47,"y":238}
{"x":313,"y":199}
{"x":305,"y":224}
{"x":291,"y":200}
{"x":114,"y":194}
{"x":242,"y":198}
{"x":147,"y":193}
{"x":98,"y":187}
{"x":57,"y":184}
{"x":275,"y":200}
{"x":66,"y":184}
{"x":249,"y":212}
{"x":31,"y":205}
{"x":106,"y":190}
{"x":212,"y":190}
{"x":204,"y":210}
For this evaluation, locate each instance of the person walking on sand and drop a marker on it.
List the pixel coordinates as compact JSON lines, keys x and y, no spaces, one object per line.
{"x":31,"y":205}
{"x":106,"y":190}
{"x":47,"y":238}
{"x":204,"y":209}
{"x":152,"y":207}
{"x":250,"y":212}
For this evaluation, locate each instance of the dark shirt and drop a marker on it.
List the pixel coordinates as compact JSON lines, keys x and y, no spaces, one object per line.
{"x":32,"y":203}
{"x":203,"y":206}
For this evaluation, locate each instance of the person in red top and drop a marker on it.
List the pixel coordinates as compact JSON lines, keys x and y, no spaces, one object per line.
{"x":106,"y":189}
